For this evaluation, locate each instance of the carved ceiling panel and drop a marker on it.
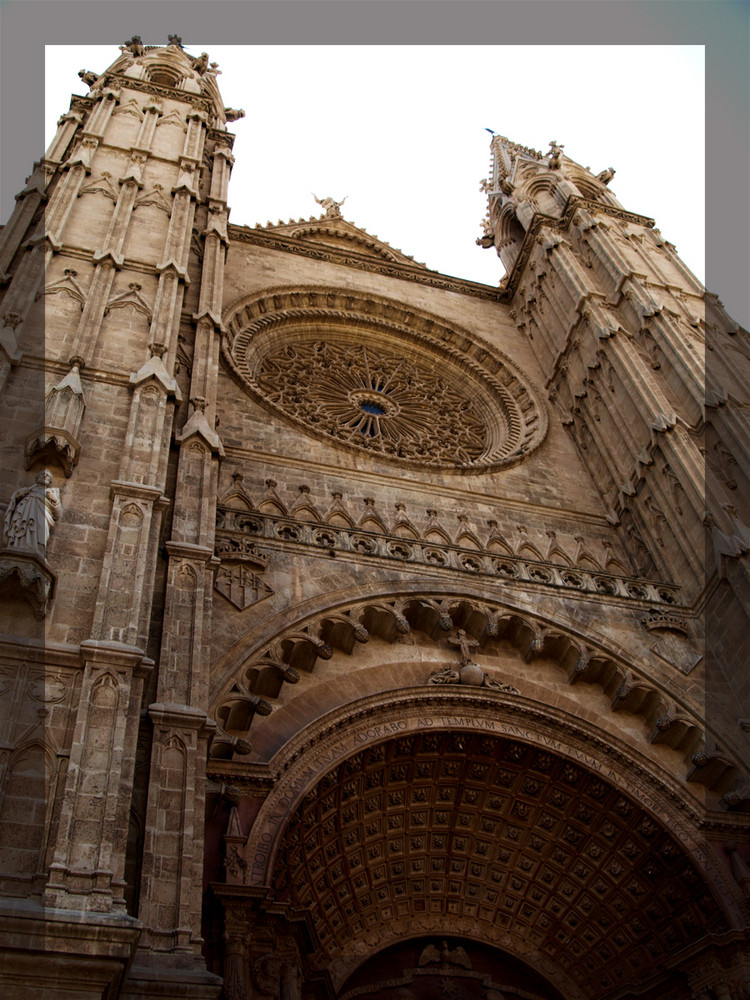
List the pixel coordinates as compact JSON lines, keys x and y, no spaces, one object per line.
{"x":499,"y":835}
{"x":374,"y":375}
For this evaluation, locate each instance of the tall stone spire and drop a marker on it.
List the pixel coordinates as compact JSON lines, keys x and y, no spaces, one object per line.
{"x":621,"y":326}
{"x":134,"y":234}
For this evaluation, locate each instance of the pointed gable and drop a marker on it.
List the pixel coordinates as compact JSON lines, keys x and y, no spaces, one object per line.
{"x":332,"y":233}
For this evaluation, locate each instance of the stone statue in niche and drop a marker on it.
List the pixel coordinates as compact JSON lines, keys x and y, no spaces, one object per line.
{"x":31,"y":515}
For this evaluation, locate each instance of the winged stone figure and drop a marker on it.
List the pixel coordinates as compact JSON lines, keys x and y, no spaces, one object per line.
{"x":429,"y":955}
{"x":331,"y":206}
{"x":445,"y":956}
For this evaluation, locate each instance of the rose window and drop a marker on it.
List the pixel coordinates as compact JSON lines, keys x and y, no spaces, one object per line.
{"x":371,"y":383}
{"x":371,"y":399}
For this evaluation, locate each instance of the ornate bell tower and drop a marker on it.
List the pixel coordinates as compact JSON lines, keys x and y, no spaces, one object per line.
{"x":123,"y":274}
{"x":642,"y":366}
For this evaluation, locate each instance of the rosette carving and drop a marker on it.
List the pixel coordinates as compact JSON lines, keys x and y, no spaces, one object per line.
{"x":374,"y":375}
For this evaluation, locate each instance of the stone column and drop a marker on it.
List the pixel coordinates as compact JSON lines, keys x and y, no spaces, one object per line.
{"x":87,"y":872}
{"x":170,"y":908}
{"x":235,"y":956}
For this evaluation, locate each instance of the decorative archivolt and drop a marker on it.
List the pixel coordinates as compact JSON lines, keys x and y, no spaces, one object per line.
{"x":525,"y":843}
{"x":371,"y":373}
{"x":670,"y":720}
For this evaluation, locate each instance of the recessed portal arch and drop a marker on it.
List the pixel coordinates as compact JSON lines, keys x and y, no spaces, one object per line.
{"x":450,"y":814}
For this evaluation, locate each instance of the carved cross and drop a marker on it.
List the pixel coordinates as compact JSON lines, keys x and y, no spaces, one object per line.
{"x":465,"y":644}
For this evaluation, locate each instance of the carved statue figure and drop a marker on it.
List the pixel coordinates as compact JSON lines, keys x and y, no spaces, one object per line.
{"x":332,"y":207}
{"x":445,"y":956}
{"x":31,"y":514}
{"x":233,"y":114}
{"x":88,"y":77}
{"x":606,"y":175}
{"x":135,"y":45}
{"x":175,"y":40}
{"x":200,"y":63}
{"x":554,"y":154}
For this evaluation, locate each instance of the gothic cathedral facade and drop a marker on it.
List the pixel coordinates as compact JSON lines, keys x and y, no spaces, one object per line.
{"x":366,"y":632}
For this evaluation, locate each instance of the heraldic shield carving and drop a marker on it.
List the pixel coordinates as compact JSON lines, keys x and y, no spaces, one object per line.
{"x":238,"y":578}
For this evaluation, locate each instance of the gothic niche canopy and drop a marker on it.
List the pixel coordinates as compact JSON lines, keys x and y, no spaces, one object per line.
{"x":374,"y":375}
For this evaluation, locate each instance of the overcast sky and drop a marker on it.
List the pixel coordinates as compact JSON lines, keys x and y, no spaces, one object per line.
{"x":400,"y":132}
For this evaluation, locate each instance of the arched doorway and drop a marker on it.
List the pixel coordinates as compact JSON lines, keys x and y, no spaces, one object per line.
{"x":449,"y":816}
{"x":426,"y":968}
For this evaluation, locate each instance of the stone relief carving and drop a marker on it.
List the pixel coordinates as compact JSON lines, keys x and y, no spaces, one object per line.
{"x":239,"y":576}
{"x":470,"y":673}
{"x":445,"y":956}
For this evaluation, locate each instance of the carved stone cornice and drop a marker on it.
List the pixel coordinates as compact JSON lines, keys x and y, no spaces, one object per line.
{"x":187,"y":550}
{"x":129,"y":83}
{"x":514,"y":571}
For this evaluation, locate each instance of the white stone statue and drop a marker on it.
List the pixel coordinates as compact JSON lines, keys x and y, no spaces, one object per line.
{"x":331,"y":206}
{"x":31,"y":515}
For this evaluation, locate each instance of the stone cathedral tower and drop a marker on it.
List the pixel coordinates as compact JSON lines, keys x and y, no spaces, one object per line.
{"x":366,"y":632}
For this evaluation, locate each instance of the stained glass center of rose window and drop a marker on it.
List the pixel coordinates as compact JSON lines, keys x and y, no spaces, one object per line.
{"x":373,"y":408}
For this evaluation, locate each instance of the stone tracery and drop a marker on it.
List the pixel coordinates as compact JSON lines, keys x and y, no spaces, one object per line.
{"x":374,"y":400}
{"x":371,"y":374}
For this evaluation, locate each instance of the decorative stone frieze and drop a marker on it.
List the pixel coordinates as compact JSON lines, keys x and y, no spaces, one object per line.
{"x":235,"y":523}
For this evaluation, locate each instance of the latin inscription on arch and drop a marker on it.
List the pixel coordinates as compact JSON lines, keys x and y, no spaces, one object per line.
{"x":278,"y":807}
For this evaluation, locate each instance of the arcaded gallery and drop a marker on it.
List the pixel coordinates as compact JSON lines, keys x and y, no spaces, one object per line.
{"x":366,"y":632}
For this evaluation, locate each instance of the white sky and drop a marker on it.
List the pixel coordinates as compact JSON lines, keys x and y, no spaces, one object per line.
{"x":400,"y":131}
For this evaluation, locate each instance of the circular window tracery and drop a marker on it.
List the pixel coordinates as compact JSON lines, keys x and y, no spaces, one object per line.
{"x":367,"y":397}
{"x":374,"y":376}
